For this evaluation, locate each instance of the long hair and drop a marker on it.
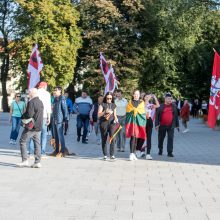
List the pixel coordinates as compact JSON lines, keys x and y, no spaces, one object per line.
{"x":105,"y":98}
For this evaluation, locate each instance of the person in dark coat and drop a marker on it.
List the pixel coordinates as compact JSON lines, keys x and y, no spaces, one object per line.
{"x":165,"y":122}
{"x":34,"y":115}
{"x":60,"y":117}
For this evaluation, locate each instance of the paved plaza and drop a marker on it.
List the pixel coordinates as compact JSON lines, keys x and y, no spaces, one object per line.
{"x":84,"y":187}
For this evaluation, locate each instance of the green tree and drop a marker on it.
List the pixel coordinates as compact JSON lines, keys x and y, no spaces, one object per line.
{"x":53,"y":25}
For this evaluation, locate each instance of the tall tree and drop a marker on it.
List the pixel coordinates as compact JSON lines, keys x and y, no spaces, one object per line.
{"x":53,"y":25}
{"x":7,"y":28}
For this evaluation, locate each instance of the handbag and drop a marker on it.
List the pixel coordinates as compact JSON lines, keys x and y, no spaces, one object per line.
{"x":28,"y":123}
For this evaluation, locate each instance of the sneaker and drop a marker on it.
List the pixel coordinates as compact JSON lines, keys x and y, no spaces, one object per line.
{"x":23,"y":164}
{"x":138,"y":154}
{"x":160,"y":152}
{"x":112,"y":158}
{"x":170,"y":155}
{"x":105,"y":158}
{"x":11,"y":141}
{"x":98,"y":141}
{"x":148,"y":157}
{"x":143,"y":154}
{"x":36,"y":165}
{"x":135,"y":158}
{"x":14,"y":142}
{"x":78,"y":139}
{"x":131,"y":157}
{"x":84,"y":142}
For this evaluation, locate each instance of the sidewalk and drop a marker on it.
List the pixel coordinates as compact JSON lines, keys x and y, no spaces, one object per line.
{"x":84,"y":187}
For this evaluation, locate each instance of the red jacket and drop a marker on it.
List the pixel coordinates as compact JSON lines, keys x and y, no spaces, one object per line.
{"x":185,"y":112}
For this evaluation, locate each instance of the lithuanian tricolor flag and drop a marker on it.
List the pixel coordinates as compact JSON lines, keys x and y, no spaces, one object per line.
{"x":136,"y":121}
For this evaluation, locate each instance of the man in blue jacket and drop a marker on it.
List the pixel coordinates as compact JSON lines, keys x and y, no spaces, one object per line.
{"x":60,"y":117}
{"x":83,"y":106}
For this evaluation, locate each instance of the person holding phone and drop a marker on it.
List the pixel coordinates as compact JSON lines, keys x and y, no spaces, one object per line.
{"x":108,"y":117}
{"x":16,"y":111}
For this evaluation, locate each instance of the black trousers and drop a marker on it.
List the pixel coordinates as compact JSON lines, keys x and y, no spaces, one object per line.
{"x":107,"y":128}
{"x":149,"y":127}
{"x":136,"y":144}
{"x":170,"y":135}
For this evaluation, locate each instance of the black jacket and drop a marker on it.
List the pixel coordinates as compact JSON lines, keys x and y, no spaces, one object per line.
{"x":35,"y":110}
{"x":175,"y":123}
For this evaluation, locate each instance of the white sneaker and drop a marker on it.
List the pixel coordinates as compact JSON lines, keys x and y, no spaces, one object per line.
{"x":138,"y":154}
{"x":23,"y":164}
{"x":98,"y":141}
{"x":14,"y":142}
{"x":148,"y":157}
{"x":105,"y":158}
{"x":36,"y":165}
{"x":131,"y":157}
{"x":112,"y":158}
{"x":11,"y":141}
{"x":135,"y":158}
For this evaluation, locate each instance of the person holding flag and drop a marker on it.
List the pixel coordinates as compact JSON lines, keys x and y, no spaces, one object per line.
{"x":135,"y":123}
{"x":214,"y":101}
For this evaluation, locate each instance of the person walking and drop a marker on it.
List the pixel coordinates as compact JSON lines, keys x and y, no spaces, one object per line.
{"x":83,"y":106}
{"x":135,"y":123}
{"x":95,"y":120}
{"x":16,"y":110}
{"x":45,"y":97}
{"x":69,"y":104}
{"x":165,"y":122}
{"x":108,"y":117}
{"x":121,"y":105}
{"x":151,"y":104}
{"x":60,"y":116}
{"x":33,"y":122}
{"x":184,"y":114}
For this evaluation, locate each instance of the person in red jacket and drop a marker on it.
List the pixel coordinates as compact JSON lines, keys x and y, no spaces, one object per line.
{"x":184,"y":114}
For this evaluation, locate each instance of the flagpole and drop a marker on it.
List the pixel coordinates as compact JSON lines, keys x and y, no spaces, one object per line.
{"x":214,"y":49}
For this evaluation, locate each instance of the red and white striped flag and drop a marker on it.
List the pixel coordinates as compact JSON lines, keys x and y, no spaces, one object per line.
{"x":104,"y":67}
{"x":34,"y":68}
{"x":111,"y":83}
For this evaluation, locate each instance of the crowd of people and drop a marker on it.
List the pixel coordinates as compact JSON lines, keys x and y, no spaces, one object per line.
{"x":113,"y":117}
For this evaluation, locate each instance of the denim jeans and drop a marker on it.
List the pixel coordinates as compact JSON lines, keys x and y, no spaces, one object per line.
{"x":16,"y":124}
{"x":35,"y":135}
{"x":43,"y":139}
{"x":59,"y":137}
{"x":82,"y":121}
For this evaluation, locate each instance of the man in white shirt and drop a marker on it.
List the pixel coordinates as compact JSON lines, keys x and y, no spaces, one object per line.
{"x":121,"y":104}
{"x":45,"y":97}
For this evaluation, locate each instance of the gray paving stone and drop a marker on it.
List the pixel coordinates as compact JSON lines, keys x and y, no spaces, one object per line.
{"x":84,"y":187}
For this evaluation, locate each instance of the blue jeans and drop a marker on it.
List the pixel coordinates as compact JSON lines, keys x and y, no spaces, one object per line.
{"x":59,"y":137}
{"x":82,"y":121}
{"x":43,"y":139}
{"x":16,"y":124}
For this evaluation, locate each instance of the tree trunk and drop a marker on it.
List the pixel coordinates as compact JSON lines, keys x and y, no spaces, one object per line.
{"x":4,"y":76}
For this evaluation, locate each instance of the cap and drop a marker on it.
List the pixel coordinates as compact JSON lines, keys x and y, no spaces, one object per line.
{"x":42,"y":84}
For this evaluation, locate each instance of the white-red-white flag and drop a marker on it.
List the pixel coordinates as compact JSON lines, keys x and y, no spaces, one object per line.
{"x":111,"y":83}
{"x":104,"y":67}
{"x":34,"y":68}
